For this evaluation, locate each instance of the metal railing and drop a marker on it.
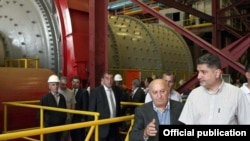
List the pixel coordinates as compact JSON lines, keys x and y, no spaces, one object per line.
{"x":94,"y":125}
{"x":23,"y":63}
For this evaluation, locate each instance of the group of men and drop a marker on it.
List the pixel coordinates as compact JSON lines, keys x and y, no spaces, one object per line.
{"x":104,"y":99}
{"x":142,"y":95}
{"x":60,"y":96}
{"x":169,"y":78}
{"x":213,"y":102}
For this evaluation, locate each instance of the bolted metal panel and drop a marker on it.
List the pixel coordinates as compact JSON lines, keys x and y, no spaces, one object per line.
{"x":174,"y":51}
{"x":113,"y":56}
{"x":31,"y":29}
{"x":151,"y":48}
{"x":134,"y":45}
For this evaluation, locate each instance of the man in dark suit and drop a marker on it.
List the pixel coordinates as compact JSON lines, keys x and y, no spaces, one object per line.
{"x":138,"y":95}
{"x":105,"y":100}
{"x":54,"y":99}
{"x":82,"y":98}
{"x":146,"y":125}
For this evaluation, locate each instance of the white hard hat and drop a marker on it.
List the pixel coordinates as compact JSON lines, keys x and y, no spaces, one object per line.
{"x":118,"y":77}
{"x":53,"y":78}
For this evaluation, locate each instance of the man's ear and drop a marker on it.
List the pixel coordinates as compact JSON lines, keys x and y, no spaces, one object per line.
{"x":247,"y":74}
{"x":218,"y":73}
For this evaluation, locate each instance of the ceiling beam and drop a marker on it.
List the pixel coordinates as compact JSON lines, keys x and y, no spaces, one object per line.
{"x":187,"y":9}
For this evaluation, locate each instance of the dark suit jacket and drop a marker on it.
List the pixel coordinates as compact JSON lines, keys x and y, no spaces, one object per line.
{"x":99,"y":103}
{"x":145,"y":114}
{"x":82,"y":103}
{"x":53,"y":118}
{"x":139,"y":96}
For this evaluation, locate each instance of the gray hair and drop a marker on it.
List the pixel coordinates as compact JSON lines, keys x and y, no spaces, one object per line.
{"x":136,"y":83}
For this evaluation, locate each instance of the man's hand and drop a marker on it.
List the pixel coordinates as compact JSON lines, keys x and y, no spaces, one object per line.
{"x":150,"y":129}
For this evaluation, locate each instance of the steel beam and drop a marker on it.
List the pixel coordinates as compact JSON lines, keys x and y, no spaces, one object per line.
{"x":229,"y":30}
{"x":244,"y":20}
{"x":187,"y":9}
{"x":216,"y":32}
{"x":196,"y":39}
{"x":237,"y":48}
{"x":98,"y":40}
{"x":234,"y":50}
{"x":225,"y":59}
{"x":221,"y":11}
{"x":235,"y":16}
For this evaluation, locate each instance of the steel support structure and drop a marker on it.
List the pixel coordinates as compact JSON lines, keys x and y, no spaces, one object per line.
{"x":67,"y":38}
{"x":187,"y":9}
{"x":226,"y":57}
{"x":84,"y":36}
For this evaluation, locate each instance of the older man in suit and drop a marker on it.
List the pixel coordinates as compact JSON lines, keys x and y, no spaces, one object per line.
{"x":160,"y":111}
{"x":138,"y":95}
{"x":57,"y":100}
{"x":105,"y":100}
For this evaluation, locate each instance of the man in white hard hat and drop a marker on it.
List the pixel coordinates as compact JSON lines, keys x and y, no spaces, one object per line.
{"x":53,"y":99}
{"x":124,"y":96}
{"x":118,"y":82}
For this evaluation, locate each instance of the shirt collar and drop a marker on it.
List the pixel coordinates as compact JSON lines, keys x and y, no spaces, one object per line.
{"x":166,"y":108}
{"x":135,"y":90}
{"x":246,"y":88}
{"x":106,"y":88}
{"x":54,"y":94}
{"x":218,"y":90}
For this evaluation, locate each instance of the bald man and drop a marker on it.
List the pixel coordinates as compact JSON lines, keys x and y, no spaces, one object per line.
{"x":148,"y":117}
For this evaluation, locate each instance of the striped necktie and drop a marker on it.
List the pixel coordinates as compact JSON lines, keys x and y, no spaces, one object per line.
{"x":112,"y":103}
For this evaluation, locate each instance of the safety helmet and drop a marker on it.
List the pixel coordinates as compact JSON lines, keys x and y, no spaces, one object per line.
{"x":53,"y":78}
{"x":118,"y":77}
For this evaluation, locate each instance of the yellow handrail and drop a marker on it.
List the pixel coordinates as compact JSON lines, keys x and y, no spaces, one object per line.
{"x":20,"y":134}
{"x":42,"y":108}
{"x":24,"y":133}
{"x":131,"y":103}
